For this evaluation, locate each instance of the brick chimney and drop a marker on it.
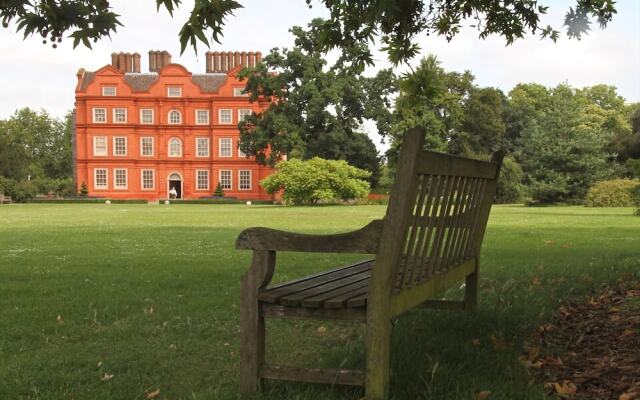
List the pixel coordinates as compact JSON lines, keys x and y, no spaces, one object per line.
{"x":158,"y":59}
{"x":224,"y":61}
{"x":126,"y":62}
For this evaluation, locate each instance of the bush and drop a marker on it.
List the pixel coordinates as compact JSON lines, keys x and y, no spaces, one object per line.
{"x":84,"y":191}
{"x":635,"y":194}
{"x":510,"y":188}
{"x":634,"y":166}
{"x":88,"y":200}
{"x":218,"y":192}
{"x":317,"y":180}
{"x":611,"y":193}
{"x":20,"y":192}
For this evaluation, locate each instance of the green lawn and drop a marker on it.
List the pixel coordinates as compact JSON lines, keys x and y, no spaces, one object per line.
{"x":150,"y":293}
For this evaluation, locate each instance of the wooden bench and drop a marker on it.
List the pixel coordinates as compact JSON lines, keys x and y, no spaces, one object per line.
{"x":429,"y":240}
{"x":5,"y":199}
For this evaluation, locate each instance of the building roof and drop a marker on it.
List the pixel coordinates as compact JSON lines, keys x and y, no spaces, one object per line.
{"x":140,"y":82}
{"x":209,"y":83}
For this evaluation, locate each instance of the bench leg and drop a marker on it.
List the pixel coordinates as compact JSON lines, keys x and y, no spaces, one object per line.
{"x":471,"y":291}
{"x":378,"y":358}
{"x":252,"y":328}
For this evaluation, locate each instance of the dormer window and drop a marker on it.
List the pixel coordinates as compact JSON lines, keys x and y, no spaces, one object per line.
{"x":174,"y":91}
{"x":238,"y":92}
{"x":108,"y":90}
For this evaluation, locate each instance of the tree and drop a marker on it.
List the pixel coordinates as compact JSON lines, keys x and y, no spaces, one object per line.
{"x":317,"y":180}
{"x":351,"y":23}
{"x":562,"y":153}
{"x":316,"y":109}
{"x":34,"y":143}
{"x":483,"y":127}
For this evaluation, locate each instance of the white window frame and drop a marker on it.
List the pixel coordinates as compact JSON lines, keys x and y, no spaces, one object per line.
{"x":240,"y":171}
{"x":179,"y":117}
{"x":174,"y":94}
{"x":115,"y":118}
{"x":220,"y":121}
{"x":208,"y":148}
{"x":105,"y":90}
{"x":220,"y":154}
{"x":153,"y":179}
{"x":142,"y":139}
{"x":93,"y":113}
{"x":169,"y":147}
{"x":198,"y":187}
{"x":95,"y":178}
{"x":126,"y":147}
{"x":142,"y":121}
{"x":230,"y":179}
{"x":201,"y":110}
{"x":106,"y":146}
{"x":241,"y":111}
{"x":237,"y":92}
{"x":115,"y":178}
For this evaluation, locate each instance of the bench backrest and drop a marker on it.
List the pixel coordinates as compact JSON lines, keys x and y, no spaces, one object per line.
{"x":436,"y":218}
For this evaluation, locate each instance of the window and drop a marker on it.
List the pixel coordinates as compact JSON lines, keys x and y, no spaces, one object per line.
{"x":99,"y":115}
{"x":175,"y":148}
{"x":119,"y":146}
{"x":225,"y":117}
{"x":119,"y":115}
{"x":237,"y":91}
{"x":225,"y":179}
{"x":202,"y":180}
{"x":174,"y":91}
{"x":108,"y":91}
{"x":100,"y":178}
{"x":202,"y":147}
{"x":100,"y":146}
{"x":146,"y":116}
{"x":240,"y":152}
{"x":119,"y":178}
{"x":175,"y":117}
{"x":244,"y":179}
{"x":243,"y":113}
{"x":148,"y":179}
{"x":225,"y":147}
{"x":202,"y":117}
{"x":146,"y":146}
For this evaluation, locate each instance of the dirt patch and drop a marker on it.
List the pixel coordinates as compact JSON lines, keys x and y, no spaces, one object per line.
{"x":591,"y":350}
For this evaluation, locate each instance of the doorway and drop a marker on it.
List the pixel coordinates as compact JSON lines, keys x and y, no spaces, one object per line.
{"x":175,"y":181}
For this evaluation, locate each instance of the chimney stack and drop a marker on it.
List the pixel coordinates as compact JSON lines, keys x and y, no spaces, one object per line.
{"x":126,"y":62}
{"x":158,"y":60}
{"x":225,"y":61}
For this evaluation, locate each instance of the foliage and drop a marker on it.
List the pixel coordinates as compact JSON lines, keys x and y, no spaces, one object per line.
{"x":20,"y":191}
{"x":84,"y":191}
{"x":84,"y":200}
{"x":611,"y":193}
{"x":317,"y":109}
{"x":34,"y":143}
{"x":635,"y":194}
{"x":219,"y":192}
{"x":88,"y":21}
{"x":317,"y":180}
{"x":510,"y":189}
{"x":634,"y":166}
{"x":351,"y":24}
{"x":560,"y":145}
{"x":396,"y":24}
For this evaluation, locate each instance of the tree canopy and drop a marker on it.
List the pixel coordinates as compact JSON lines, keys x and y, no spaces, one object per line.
{"x":350,"y":24}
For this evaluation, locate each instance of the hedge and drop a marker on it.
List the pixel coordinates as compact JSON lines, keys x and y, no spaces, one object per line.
{"x":87,"y":201}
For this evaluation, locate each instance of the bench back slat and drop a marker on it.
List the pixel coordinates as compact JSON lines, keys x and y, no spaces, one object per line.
{"x":436,"y":217}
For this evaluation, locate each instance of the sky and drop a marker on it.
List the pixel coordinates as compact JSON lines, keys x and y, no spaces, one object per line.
{"x":37,"y":76}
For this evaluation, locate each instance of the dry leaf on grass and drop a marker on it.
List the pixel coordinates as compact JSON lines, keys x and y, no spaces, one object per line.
{"x":152,"y":394}
{"x":483,"y":395}
{"x":106,"y":377}
{"x":60,"y":319}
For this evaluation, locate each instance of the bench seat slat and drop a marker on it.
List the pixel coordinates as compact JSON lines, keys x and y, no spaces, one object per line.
{"x":295,"y":298}
{"x":317,"y":301}
{"x":274,"y":293}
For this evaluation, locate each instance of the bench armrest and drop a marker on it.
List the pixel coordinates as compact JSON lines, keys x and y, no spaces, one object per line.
{"x":364,"y":240}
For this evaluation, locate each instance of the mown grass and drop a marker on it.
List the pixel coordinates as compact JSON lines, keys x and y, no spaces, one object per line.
{"x":150,"y":293}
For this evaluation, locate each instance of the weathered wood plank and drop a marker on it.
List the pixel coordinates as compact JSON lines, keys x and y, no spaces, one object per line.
{"x":342,"y":300}
{"x":347,"y":377}
{"x":448,"y":165}
{"x":318,"y":301}
{"x":272,"y":294}
{"x":340,"y":314}
{"x":296,"y":298}
{"x":363,"y":241}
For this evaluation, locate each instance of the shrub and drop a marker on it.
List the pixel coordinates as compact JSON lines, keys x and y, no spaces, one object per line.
{"x":634,"y":166}
{"x":316,"y":180}
{"x":635,"y":194}
{"x":510,"y":188}
{"x":218,"y":192}
{"x":84,"y":191}
{"x":611,"y":193}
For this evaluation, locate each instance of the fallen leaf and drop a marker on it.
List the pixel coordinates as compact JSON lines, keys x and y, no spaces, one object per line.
{"x":628,"y":396}
{"x":565,"y":389}
{"x":483,"y":395}
{"x":60,"y":319}
{"x":172,"y":347}
{"x":549,"y":242}
{"x":152,"y":394}
{"x":476,"y":342}
{"x":106,"y":377}
{"x":99,"y":364}
{"x":321,"y":330}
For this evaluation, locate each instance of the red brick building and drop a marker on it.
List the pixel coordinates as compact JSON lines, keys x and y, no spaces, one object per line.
{"x":138,"y":135}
